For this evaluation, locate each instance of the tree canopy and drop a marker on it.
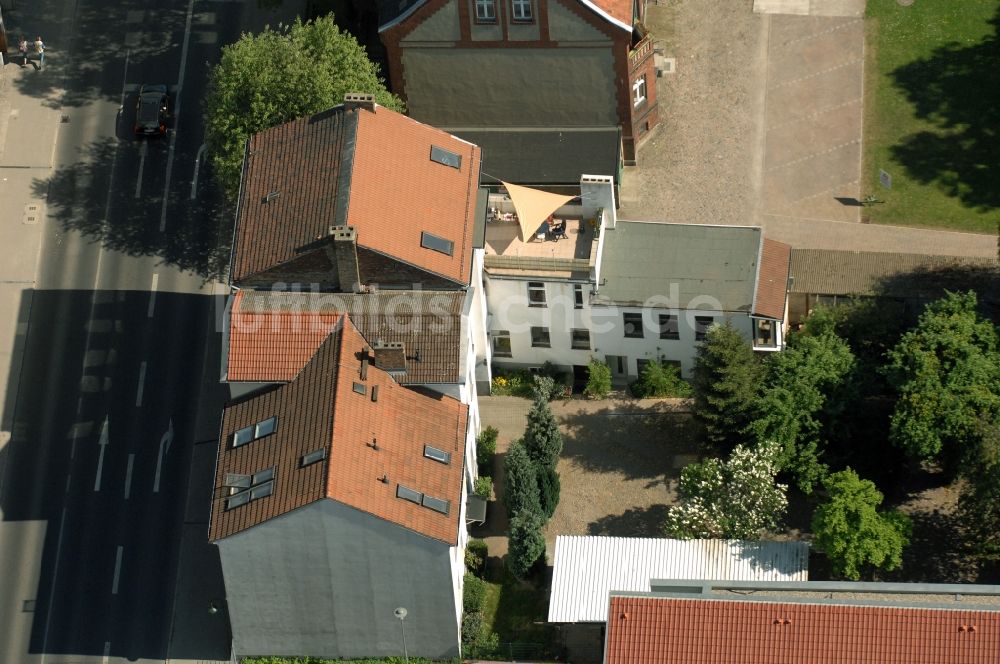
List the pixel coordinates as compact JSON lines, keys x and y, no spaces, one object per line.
{"x":526,"y":543}
{"x":732,"y":499}
{"x":800,"y":382}
{"x":852,"y":532}
{"x":520,"y":482}
{"x":727,"y":378}
{"x":267,"y":79}
{"x":947,"y":374}
{"x":542,"y":439}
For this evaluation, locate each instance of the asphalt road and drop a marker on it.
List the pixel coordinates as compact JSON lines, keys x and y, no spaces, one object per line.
{"x":97,"y":470}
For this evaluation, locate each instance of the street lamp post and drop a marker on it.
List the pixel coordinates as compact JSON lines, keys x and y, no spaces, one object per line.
{"x":400,"y":613}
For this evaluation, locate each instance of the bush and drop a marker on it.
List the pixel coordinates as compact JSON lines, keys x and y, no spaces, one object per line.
{"x":518,"y":383}
{"x":520,"y":483}
{"x":473,"y":594}
{"x":661,"y":380}
{"x":543,"y":388}
{"x":476,"y":553}
{"x":598,"y":380}
{"x":484,"y":487}
{"x":473,"y":626}
{"x":548,"y":490}
{"x":486,"y":449}
{"x":527,"y":543}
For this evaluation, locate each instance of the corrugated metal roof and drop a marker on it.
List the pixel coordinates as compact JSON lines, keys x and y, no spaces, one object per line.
{"x":586,"y":569}
{"x":713,"y":268}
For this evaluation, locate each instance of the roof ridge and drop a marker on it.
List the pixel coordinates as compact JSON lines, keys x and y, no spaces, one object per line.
{"x":339,"y":341}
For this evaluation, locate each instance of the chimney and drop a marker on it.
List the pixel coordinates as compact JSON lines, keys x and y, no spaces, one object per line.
{"x":345,"y":250}
{"x":360,"y":100}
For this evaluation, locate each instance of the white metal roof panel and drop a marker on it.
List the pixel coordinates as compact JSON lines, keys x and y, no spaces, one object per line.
{"x":586,"y":569}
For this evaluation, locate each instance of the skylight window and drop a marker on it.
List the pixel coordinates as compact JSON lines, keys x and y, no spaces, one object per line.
{"x":446,"y":157}
{"x":436,"y":504}
{"x":359,"y":388}
{"x":255,"y":431}
{"x":408,"y":494}
{"x":439,"y":244}
{"x":249,"y":487}
{"x":313,"y":457}
{"x":437,"y":455}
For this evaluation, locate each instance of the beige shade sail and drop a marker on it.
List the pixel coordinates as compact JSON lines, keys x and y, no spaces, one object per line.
{"x":533,"y":207}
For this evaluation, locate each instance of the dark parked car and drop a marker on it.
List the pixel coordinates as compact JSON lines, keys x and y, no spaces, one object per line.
{"x":151,"y":111}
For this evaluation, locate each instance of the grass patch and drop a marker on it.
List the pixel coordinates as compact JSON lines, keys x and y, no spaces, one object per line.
{"x":512,"y":609}
{"x":932,"y":89}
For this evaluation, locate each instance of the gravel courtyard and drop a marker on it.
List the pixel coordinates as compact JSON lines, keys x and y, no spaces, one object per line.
{"x":618,"y":460}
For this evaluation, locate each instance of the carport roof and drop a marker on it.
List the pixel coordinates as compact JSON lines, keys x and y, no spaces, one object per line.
{"x":586,"y":569}
{"x":685,"y":266}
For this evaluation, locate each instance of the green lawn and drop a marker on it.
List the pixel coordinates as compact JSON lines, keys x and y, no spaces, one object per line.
{"x":932,"y":116}
{"x":514,"y":607}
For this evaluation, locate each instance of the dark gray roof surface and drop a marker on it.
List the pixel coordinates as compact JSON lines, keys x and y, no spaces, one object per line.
{"x":713,"y":268}
{"x":545,"y":156}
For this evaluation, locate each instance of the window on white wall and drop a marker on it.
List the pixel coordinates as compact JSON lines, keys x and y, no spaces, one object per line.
{"x":668,"y":327}
{"x":520,"y":11}
{"x":486,"y":11}
{"x":540,"y":337}
{"x":578,"y":296}
{"x":639,"y":90}
{"x":701,"y":325}
{"x":536,"y":294}
{"x":633,"y":325}
{"x":580,"y":339}
{"x":501,"y":343}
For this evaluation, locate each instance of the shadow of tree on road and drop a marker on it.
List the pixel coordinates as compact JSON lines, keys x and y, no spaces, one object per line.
{"x":956,"y":89}
{"x":82,"y":198}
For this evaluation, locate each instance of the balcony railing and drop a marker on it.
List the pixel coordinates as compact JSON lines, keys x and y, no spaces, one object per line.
{"x":640,"y":52}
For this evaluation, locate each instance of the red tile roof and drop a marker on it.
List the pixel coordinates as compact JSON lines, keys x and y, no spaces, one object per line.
{"x":772,"y":280}
{"x":368,"y":169}
{"x":617,"y":9}
{"x":272,"y":335}
{"x":697,"y":631}
{"x":397,"y":192}
{"x":321,"y":409}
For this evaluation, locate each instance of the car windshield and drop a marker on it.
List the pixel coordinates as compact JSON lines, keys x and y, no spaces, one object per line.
{"x":149,"y":109}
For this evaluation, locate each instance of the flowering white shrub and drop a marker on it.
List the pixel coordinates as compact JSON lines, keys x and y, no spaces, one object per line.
{"x":733,"y":499}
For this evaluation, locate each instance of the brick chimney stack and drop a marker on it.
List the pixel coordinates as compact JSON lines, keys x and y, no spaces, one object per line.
{"x":361,"y":100}
{"x":345,"y":248}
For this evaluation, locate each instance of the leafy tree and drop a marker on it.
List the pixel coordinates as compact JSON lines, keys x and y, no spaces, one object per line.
{"x":598,"y":380}
{"x":852,"y":532}
{"x":548,"y":490}
{"x":520,"y":482}
{"x":947,"y":374}
{"x":527,"y":543}
{"x":979,"y":500}
{"x":661,"y":380}
{"x":270,"y":78}
{"x":543,"y":387}
{"x":790,"y":410}
{"x":732,"y":499}
{"x":726,"y":380}
{"x":542,"y":439}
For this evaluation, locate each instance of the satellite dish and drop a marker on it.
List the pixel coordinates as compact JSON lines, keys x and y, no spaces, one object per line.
{"x":629,"y":328}
{"x":400,"y":613}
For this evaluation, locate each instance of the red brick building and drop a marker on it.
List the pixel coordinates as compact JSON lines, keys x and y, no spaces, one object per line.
{"x":525,"y":65}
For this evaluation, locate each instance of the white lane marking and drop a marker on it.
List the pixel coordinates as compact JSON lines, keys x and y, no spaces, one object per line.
{"x":142,"y":384}
{"x":177,"y":115}
{"x":68,"y":477}
{"x":107,"y":652}
{"x":128,"y":476}
{"x":165,"y":441}
{"x":118,"y":570}
{"x":52,"y":588}
{"x":152,"y":295}
{"x":143,"y":151}
{"x":103,"y":442}
{"x":197,"y":167}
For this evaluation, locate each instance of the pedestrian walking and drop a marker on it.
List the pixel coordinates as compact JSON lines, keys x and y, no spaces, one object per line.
{"x":40,"y":50}
{"x":22,"y":47}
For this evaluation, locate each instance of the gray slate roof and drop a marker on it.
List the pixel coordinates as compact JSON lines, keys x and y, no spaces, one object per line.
{"x":545,"y":156}
{"x":713,"y":268}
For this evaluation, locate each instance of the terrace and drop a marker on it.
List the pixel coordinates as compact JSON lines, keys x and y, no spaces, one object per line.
{"x":567,"y":254}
